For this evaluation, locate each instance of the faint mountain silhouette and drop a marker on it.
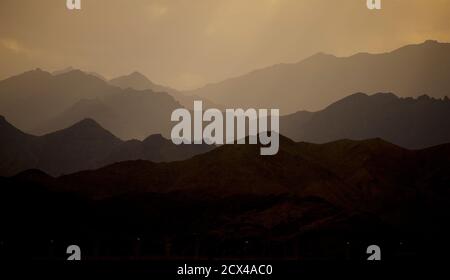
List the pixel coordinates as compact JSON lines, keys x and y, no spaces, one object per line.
{"x":31,"y":98}
{"x":138,"y":81}
{"x":408,"y":122}
{"x":319,"y":80}
{"x":70,"y":69}
{"x":129,"y":114}
{"x":39,"y":102}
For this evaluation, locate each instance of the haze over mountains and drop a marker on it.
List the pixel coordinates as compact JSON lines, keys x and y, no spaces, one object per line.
{"x":408,"y":122}
{"x":316,"y":82}
{"x":307,"y":200}
{"x":133,"y":107}
{"x":84,"y":145}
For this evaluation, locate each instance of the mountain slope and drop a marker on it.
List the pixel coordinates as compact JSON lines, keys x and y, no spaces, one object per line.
{"x":17,"y":149}
{"x":155,"y":148}
{"x":138,"y":81}
{"x":408,"y":122}
{"x":333,"y":171}
{"x":31,"y":98}
{"x":81,"y":146}
{"x":70,"y":69}
{"x":305,"y":197}
{"x":317,"y":81}
{"x":39,"y":103}
{"x":84,"y":145}
{"x":129,"y":114}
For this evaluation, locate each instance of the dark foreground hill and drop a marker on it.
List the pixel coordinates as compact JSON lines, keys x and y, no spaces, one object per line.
{"x":84,"y":145}
{"x":308,"y":201}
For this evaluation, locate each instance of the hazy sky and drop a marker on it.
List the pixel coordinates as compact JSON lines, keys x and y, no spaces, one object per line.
{"x":187,"y":43}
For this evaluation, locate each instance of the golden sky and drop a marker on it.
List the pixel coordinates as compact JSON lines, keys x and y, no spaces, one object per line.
{"x":187,"y":43}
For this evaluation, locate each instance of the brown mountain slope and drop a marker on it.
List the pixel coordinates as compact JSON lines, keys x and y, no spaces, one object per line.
{"x":308,"y":201}
{"x":372,"y":175}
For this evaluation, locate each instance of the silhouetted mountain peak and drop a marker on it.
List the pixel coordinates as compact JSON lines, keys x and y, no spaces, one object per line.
{"x":384,"y":95}
{"x":37,"y":71}
{"x":30,"y":76}
{"x":138,"y":81}
{"x":134,"y":77}
{"x":7,"y":129}
{"x":315,"y":82}
{"x":62,"y":71}
{"x":156,"y":138}
{"x":137,"y":75}
{"x":76,"y":74}
{"x":358,"y":98}
{"x":424,"y":97}
{"x":431,"y":42}
{"x":87,"y":123}
{"x":70,"y":69}
{"x":32,"y":174}
{"x":427,"y":46}
{"x":372,"y":142}
{"x":322,"y":55}
{"x":85,"y":129}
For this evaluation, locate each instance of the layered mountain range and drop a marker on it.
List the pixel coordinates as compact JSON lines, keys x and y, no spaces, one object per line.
{"x":138,"y":81}
{"x":133,"y":107}
{"x":39,"y":103}
{"x":84,"y":145}
{"x":233,"y":202}
{"x":85,"y":158}
{"x":315,"y":82}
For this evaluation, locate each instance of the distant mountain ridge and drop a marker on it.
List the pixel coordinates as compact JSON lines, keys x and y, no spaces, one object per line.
{"x":139,"y":81}
{"x":70,"y":69}
{"x":408,"y":122}
{"x":314,"y":83}
{"x":129,"y":114}
{"x":84,"y":145}
{"x":36,"y":96}
{"x":39,"y":103}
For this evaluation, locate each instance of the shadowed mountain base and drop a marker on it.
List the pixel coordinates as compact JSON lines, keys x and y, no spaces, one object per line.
{"x":309,"y":201}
